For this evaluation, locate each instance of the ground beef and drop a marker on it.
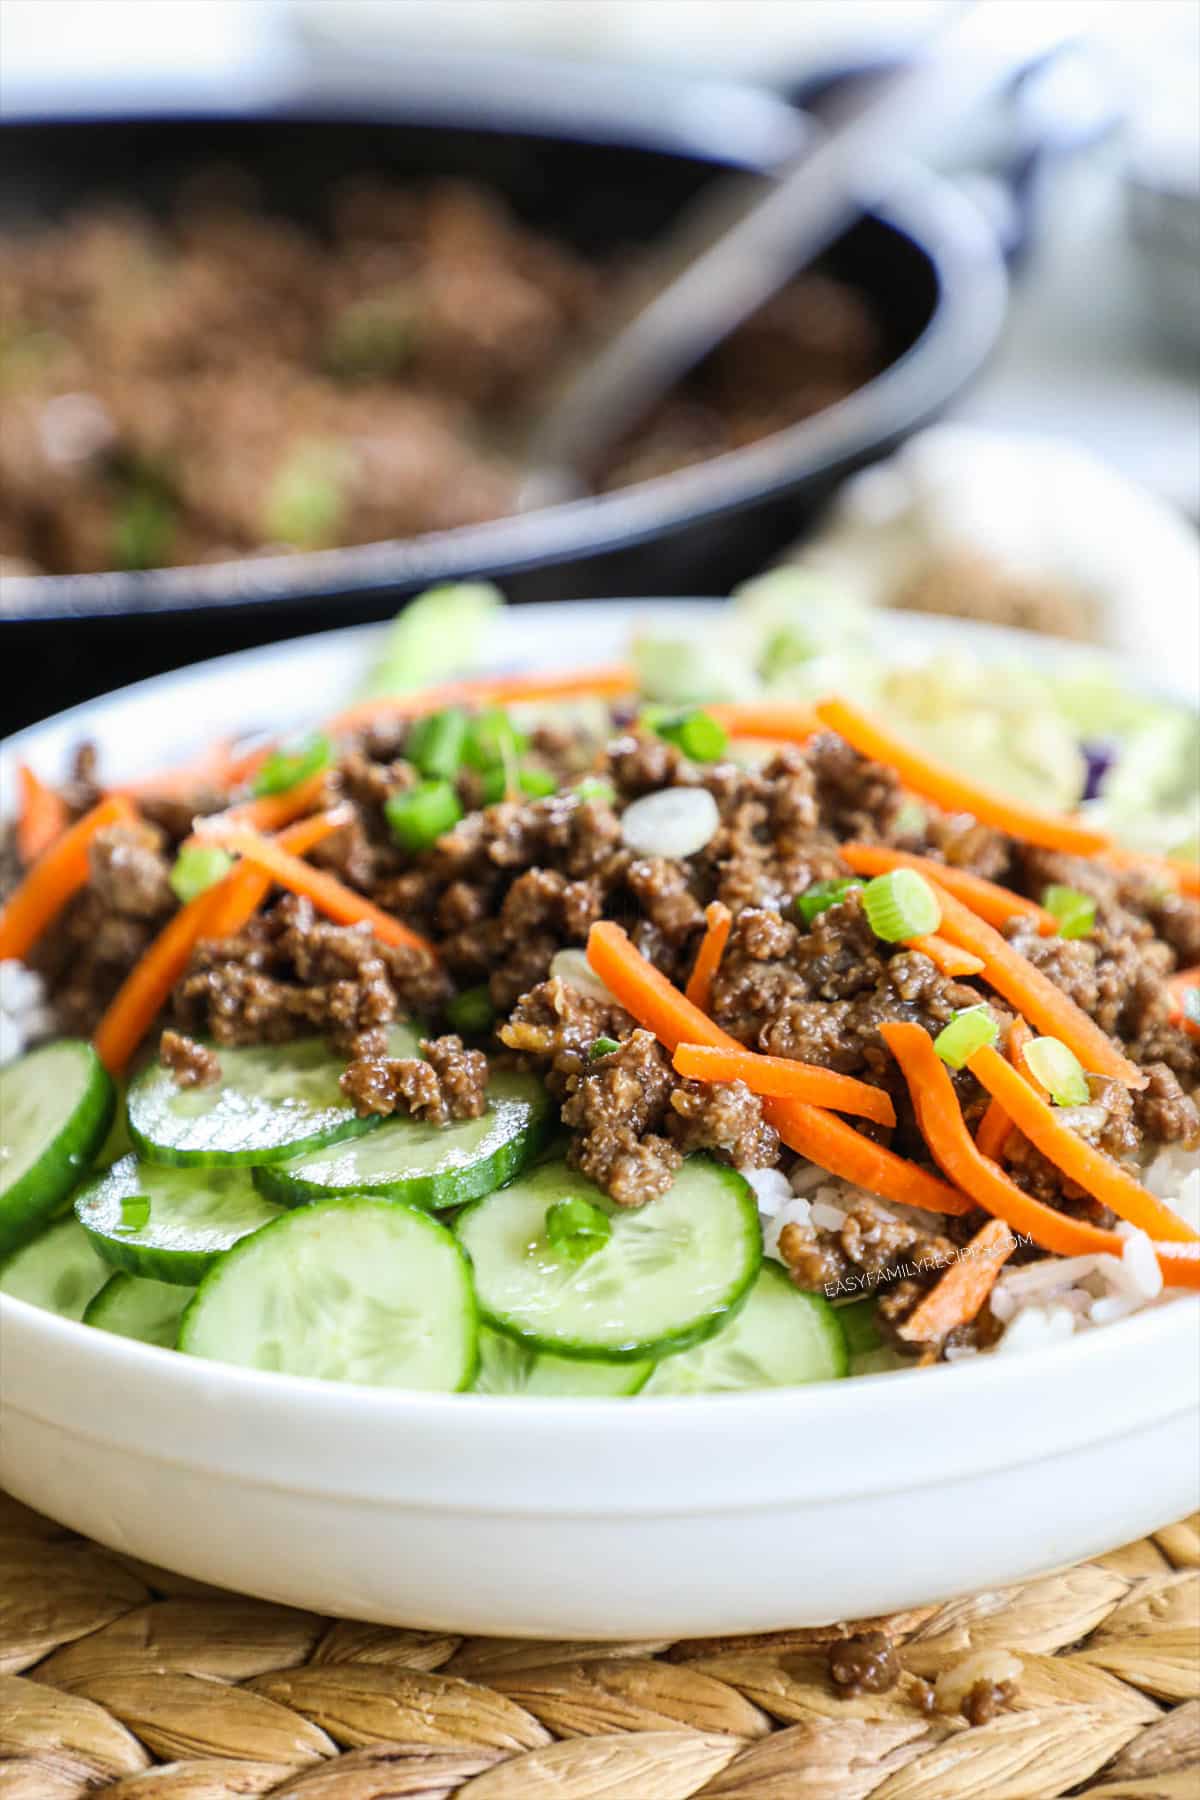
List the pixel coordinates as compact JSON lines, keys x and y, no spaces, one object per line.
{"x":451,"y":1083}
{"x":1164,"y":1112}
{"x":873,"y":1246}
{"x":289,"y":973}
{"x":723,"y":1117}
{"x":856,"y":798}
{"x":555,"y":1025}
{"x":962,"y":843}
{"x":866,"y":1664}
{"x":618,"y":1113}
{"x":129,"y":873}
{"x":192,"y":1064}
{"x":985,"y":1700}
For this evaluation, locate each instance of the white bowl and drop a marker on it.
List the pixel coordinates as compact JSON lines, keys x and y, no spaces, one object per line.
{"x":597,"y":1518}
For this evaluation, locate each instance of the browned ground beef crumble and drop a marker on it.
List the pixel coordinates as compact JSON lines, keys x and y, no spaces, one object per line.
{"x":515,"y":882}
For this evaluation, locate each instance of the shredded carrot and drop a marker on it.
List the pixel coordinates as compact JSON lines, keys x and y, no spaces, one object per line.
{"x":940,"y":1119}
{"x":820,"y":1136}
{"x":717,"y":919}
{"x":947,"y":957}
{"x":1080,"y":1162}
{"x":42,"y":818}
{"x":779,"y":1078}
{"x":960,"y":1292}
{"x":987,"y":898}
{"x":1182,"y":875}
{"x":329,"y":895}
{"x":784,"y":723}
{"x":494,"y":690}
{"x":57,"y":874}
{"x":1033,"y":994}
{"x":268,"y":812}
{"x":218,"y":767}
{"x":995,"y":1126}
{"x":1183,"y":982}
{"x":218,"y":912}
{"x":952,"y":791}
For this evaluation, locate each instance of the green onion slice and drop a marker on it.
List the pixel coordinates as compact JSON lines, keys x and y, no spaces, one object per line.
{"x":293,"y":763}
{"x":595,"y":787}
{"x":576,"y":1228}
{"x":695,"y":732}
{"x":534,"y":782}
{"x":197,"y":868}
{"x":602,"y":1046}
{"x":1075,"y":912}
{"x":901,"y":905}
{"x":490,"y":738}
{"x":821,"y":896}
{"x":135,"y":1212}
{"x":968,"y":1031}
{"x":471,"y":1012}
{"x":417,"y":817}
{"x":1059,"y":1070}
{"x":435,"y":743}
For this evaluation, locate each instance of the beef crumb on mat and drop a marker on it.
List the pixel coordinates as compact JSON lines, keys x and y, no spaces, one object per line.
{"x":866,"y":1664}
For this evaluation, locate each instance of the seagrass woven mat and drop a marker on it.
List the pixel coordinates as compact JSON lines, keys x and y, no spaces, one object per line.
{"x":122,"y":1680}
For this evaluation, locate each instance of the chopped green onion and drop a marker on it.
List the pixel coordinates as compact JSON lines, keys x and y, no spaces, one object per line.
{"x":288,"y":767}
{"x":602,"y":1046}
{"x":901,"y":905}
{"x":490,"y":738}
{"x":438,"y":634}
{"x":534,"y":782}
{"x":135,"y":1212}
{"x":821,"y":896}
{"x":418,"y":816}
{"x":595,"y":787}
{"x":1191,"y":1004}
{"x":1075,"y":912}
{"x":143,"y":530}
{"x":306,"y":500}
{"x":968,"y":1031}
{"x":576,"y":1228}
{"x":435,"y":743}
{"x":694,"y":732}
{"x":197,"y":868}
{"x":471,"y":1012}
{"x":910,"y":820}
{"x":1059,"y":1070}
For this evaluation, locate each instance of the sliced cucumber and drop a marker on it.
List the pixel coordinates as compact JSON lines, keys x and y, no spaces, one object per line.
{"x":508,"y":1367}
{"x":132,"y":1307}
{"x":669,"y":1275}
{"x":369,"y":1291}
{"x":427,"y":1165}
{"x":169,"y":1224}
{"x":273,"y":1101}
{"x":56,"y":1105}
{"x":60,"y":1270}
{"x":780,"y":1338}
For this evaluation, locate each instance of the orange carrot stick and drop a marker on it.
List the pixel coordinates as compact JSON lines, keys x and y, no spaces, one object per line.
{"x":1033,"y":994}
{"x":995,"y":1126}
{"x":219,"y":766}
{"x":953,"y":792}
{"x":329,"y":895}
{"x":718,"y":920}
{"x":218,"y":912}
{"x":493,"y":690}
{"x":42,"y":818}
{"x":57,"y":874}
{"x":987,"y":898}
{"x":779,"y":1078}
{"x":268,"y":812}
{"x":947,"y":957}
{"x":820,"y":1136}
{"x":782,"y":722}
{"x":1183,"y":982}
{"x":960,"y":1292}
{"x":944,"y":1130}
{"x":1081,"y":1163}
{"x":1182,"y":875}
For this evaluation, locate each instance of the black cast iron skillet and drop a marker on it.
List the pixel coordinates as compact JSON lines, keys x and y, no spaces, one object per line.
{"x":600,"y":158}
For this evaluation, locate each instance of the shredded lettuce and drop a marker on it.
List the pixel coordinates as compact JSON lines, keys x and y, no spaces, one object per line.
{"x":438,"y":634}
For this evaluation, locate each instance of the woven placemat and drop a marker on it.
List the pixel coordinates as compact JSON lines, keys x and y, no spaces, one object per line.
{"x":123,"y":1680}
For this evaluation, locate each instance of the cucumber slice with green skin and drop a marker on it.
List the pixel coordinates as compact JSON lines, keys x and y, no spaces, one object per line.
{"x":135,"y":1308}
{"x":369,"y":1291}
{"x":672,"y":1272}
{"x":858,"y":1322}
{"x":60,"y":1270}
{"x":273,"y":1102}
{"x":508,"y":1367}
{"x":56,"y":1104}
{"x":169,"y":1224}
{"x":780,"y":1338}
{"x":427,"y":1165}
